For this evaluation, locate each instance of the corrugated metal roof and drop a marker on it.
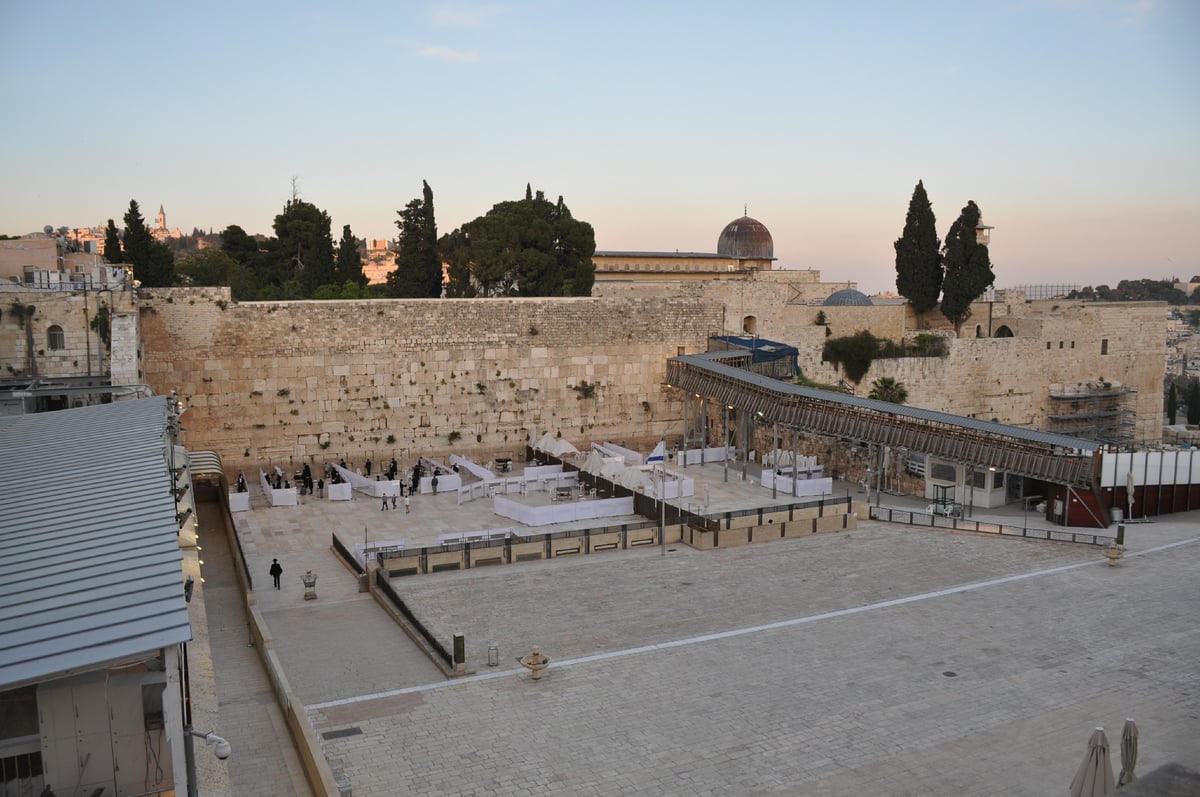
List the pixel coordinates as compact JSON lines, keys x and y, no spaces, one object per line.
{"x":711,"y":361}
{"x":90,"y":567}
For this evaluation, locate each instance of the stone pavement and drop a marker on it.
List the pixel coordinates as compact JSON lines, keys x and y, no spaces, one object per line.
{"x":886,"y":660}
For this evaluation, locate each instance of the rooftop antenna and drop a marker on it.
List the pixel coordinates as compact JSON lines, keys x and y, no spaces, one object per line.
{"x":745,"y":209}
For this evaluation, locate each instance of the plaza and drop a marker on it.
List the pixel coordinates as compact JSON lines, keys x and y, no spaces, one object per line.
{"x":882,"y":660}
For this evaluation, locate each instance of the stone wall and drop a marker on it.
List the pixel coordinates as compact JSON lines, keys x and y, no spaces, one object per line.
{"x":83,"y":353}
{"x":308,"y":381}
{"x":311,"y":381}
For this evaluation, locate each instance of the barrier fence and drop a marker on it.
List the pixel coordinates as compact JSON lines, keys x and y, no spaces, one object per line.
{"x":959,"y":524}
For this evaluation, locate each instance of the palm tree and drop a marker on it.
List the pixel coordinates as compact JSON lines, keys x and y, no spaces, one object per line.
{"x":885,"y":388}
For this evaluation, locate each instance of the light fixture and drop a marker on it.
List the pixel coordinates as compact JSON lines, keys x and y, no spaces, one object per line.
{"x":188,"y":586}
{"x":181,"y":517}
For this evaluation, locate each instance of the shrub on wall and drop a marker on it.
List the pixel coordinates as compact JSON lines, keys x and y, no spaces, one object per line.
{"x":854,"y":353}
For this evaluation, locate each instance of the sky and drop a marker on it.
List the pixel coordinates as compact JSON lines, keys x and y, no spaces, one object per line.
{"x":1073,"y":124}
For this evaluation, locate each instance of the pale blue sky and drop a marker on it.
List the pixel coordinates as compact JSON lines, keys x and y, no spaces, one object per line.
{"x":1074,"y":124}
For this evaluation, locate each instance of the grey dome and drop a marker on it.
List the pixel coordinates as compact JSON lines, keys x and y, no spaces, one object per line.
{"x":847,"y":297}
{"x":746,"y":238}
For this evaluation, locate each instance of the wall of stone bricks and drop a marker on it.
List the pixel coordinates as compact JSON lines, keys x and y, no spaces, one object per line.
{"x":83,"y":353}
{"x":287,"y":382}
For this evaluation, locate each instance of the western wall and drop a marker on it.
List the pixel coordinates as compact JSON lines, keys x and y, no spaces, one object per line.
{"x":292,"y":382}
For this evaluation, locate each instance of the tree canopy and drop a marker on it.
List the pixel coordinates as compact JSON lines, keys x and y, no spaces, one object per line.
{"x":1137,"y":291}
{"x":528,"y":247}
{"x":112,"y":244}
{"x":305,"y":246}
{"x":885,"y":388}
{"x":153,"y":264}
{"x":968,"y":267}
{"x":349,"y":260}
{"x":918,"y":254}
{"x":418,"y":272}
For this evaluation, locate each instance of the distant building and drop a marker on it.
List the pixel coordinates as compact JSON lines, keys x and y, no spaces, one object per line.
{"x":744,"y":247}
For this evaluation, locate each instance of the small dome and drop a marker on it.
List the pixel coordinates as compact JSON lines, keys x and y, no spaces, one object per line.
{"x":847,"y":297}
{"x":746,"y":238}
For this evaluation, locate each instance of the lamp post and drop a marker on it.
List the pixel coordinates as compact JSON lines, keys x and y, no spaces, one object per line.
{"x":662,"y":504}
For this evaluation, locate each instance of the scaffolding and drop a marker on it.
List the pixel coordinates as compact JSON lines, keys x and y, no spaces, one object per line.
{"x":1099,"y":411}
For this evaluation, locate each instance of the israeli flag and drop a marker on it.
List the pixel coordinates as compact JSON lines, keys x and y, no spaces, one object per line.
{"x":659,"y":453}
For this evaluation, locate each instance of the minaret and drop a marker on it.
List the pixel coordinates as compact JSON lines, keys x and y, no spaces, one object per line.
{"x":161,"y":219}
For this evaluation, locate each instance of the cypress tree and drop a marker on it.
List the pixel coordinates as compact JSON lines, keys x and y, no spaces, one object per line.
{"x":1172,"y":405}
{"x":918,"y":254}
{"x":968,"y":268}
{"x":112,"y":244}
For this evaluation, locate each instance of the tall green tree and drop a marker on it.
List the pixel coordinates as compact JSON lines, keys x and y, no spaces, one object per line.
{"x":305,"y":246}
{"x":153,"y":264}
{"x":418,"y":272}
{"x":918,"y":254}
{"x":530,"y":247}
{"x":112,"y":244}
{"x":246,"y":282}
{"x":208,"y":267}
{"x":1172,"y":405}
{"x":349,"y":259}
{"x":968,"y":268}
{"x":1193,"y":401}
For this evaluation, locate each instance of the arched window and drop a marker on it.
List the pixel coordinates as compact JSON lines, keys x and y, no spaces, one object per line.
{"x":979,"y":330}
{"x":54,"y":338}
{"x":1003,"y":331}
{"x":750,"y":325}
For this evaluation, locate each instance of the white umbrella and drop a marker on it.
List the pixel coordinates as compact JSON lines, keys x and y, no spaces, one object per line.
{"x":1129,"y":752}
{"x":1094,"y":778}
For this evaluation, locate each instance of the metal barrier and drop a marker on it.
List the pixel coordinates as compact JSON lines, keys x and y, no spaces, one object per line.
{"x":911,"y":518}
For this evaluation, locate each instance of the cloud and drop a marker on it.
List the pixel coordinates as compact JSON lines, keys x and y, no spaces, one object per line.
{"x":449,"y":55}
{"x":460,"y":16}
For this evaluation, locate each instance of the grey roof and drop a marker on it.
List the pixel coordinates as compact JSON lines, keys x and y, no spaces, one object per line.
{"x":90,"y":567}
{"x":712,"y":361}
{"x":848,"y":297}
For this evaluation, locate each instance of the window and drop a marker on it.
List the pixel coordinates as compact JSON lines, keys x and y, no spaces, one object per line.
{"x":1047,"y":345}
{"x":1104,"y":346}
{"x":54,"y":338}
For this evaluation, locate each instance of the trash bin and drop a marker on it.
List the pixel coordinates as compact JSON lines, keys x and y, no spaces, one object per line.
{"x":1118,"y":514}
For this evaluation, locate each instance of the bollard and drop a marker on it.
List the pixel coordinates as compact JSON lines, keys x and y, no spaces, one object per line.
{"x":493,"y":655}
{"x":460,"y":654}
{"x":1120,"y":534}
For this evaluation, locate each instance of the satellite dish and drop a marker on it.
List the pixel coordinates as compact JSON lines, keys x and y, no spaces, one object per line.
{"x":48,"y":229}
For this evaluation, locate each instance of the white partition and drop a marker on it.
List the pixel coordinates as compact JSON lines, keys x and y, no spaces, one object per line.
{"x":447,"y":483}
{"x":800,"y":488}
{"x":627,"y":456}
{"x":239,"y":502}
{"x":692,"y":456}
{"x":561,"y":512}
{"x":541,"y":472}
{"x":365,"y":484}
{"x":339,"y":492}
{"x":478,"y":471}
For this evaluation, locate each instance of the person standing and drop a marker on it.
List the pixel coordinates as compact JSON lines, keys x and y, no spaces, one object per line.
{"x":276,"y":571}
{"x":320,"y":488}
{"x":433,"y":483}
{"x":406,"y":507}
{"x":367,"y":465}
{"x":385,"y":506}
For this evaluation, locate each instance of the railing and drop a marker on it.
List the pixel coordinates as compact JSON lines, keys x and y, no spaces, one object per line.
{"x":396,"y":601}
{"x":347,"y":555}
{"x":959,"y":524}
{"x":789,"y":507}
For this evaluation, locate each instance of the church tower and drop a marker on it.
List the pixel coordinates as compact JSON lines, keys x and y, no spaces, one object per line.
{"x":161,"y":220}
